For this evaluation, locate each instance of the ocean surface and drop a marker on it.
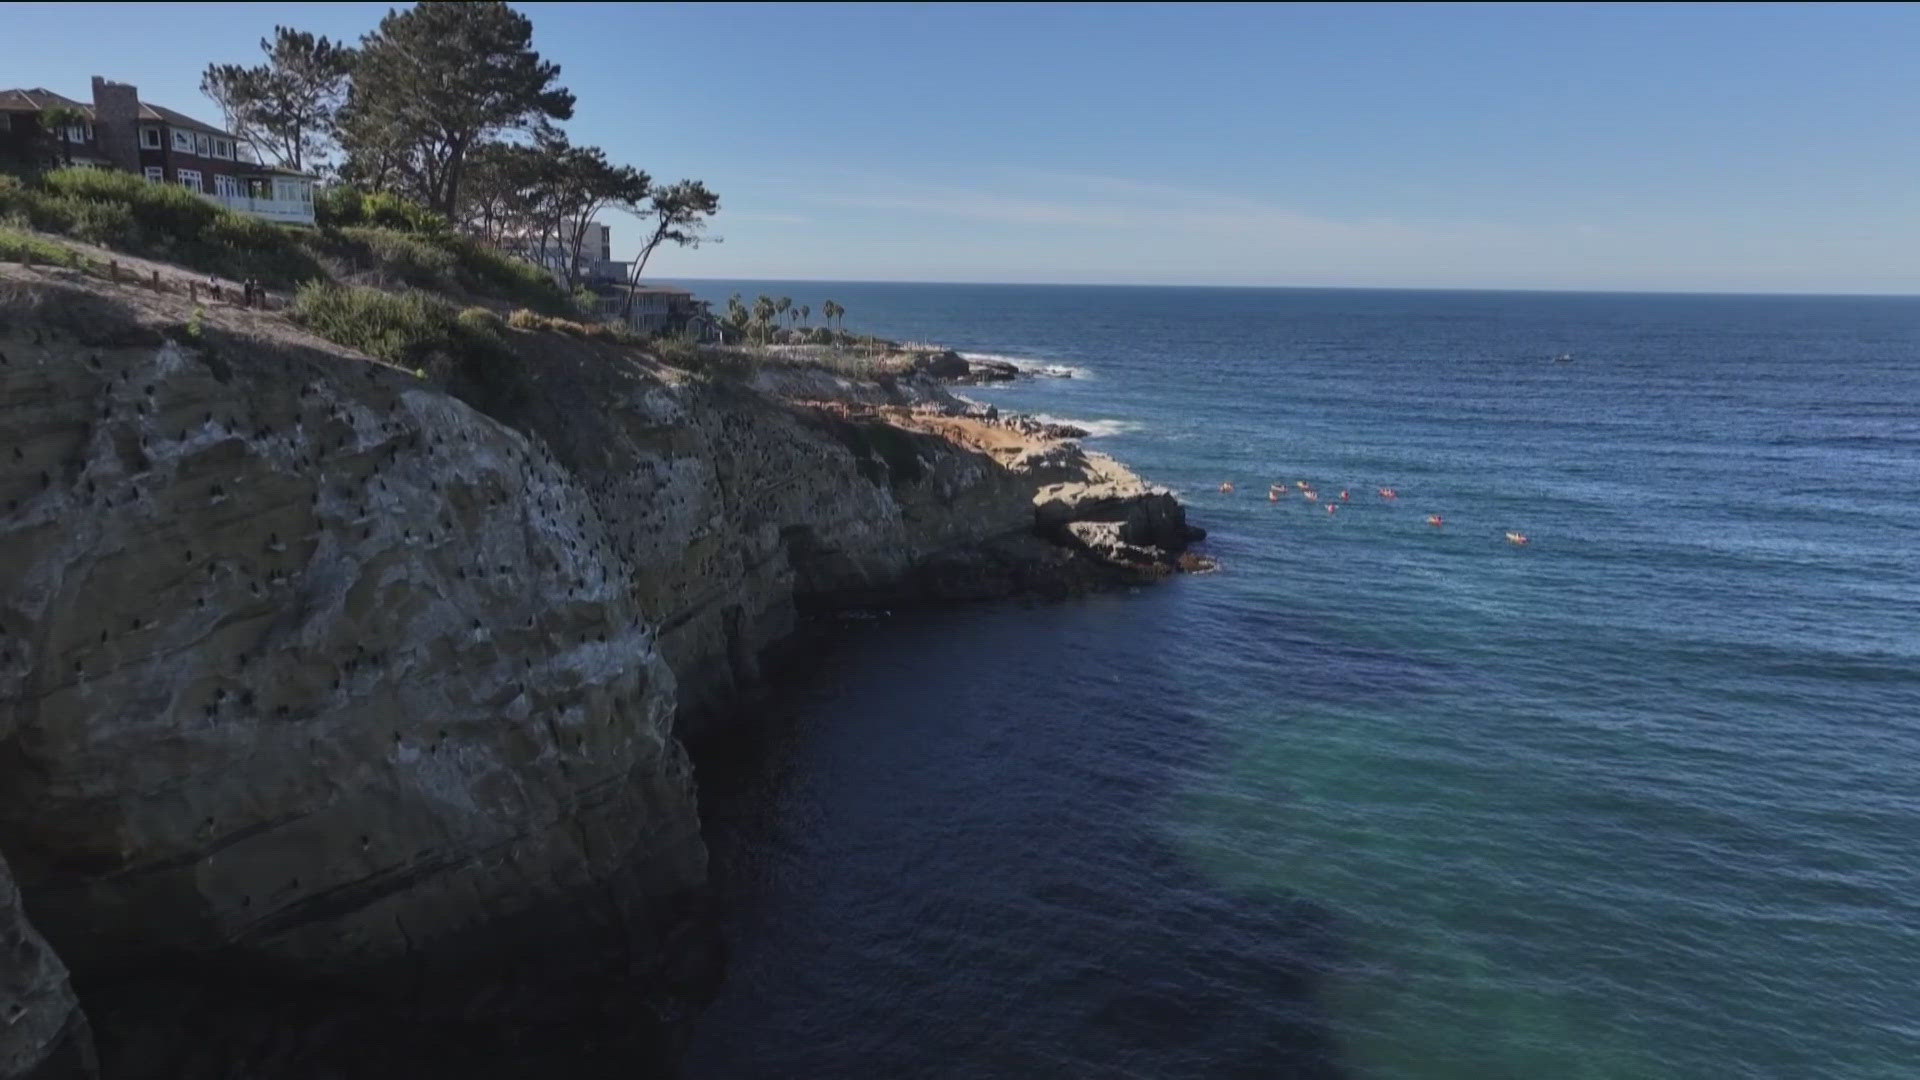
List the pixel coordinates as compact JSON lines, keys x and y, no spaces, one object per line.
{"x":1378,"y":800}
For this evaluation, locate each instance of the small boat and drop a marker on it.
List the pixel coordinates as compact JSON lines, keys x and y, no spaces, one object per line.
{"x":1389,"y":493}
{"x":1517,"y":538}
{"x":1312,"y":496}
{"x":1564,"y":358}
{"x":1226,"y":488}
{"x":1332,"y":508}
{"x":1303,"y":485}
{"x":1436,"y":520}
{"x":1343,"y":494}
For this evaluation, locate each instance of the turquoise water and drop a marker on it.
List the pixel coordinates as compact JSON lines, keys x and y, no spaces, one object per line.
{"x":1380,"y":800}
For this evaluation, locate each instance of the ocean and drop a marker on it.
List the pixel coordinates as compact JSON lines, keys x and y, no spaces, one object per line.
{"x":1377,"y":800}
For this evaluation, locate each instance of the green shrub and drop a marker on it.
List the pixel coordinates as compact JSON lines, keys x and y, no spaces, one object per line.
{"x":342,"y":207}
{"x":411,"y":260}
{"x":339,"y":207}
{"x":389,"y":211}
{"x":16,"y":246}
{"x":483,"y":320}
{"x":161,"y":209}
{"x":490,"y":273}
{"x":466,"y":352}
{"x":125,"y":212}
{"x":400,"y":328}
{"x":109,"y":224}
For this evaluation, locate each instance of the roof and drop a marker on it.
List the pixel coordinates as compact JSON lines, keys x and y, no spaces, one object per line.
{"x":40,"y":98}
{"x":36,"y":99}
{"x":177,"y":119}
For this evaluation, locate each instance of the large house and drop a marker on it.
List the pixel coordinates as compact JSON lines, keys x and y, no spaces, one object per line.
{"x":119,"y":131}
{"x":656,"y":309}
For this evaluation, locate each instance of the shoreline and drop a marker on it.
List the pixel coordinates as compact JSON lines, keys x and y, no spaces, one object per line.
{"x":417,"y":662}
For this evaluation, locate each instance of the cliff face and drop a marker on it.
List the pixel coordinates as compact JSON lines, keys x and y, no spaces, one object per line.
{"x":337,"y":719}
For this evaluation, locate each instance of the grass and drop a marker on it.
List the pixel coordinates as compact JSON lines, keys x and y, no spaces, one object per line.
{"x":403,"y":328}
{"x":17,"y":246}
{"x":161,"y":221}
{"x":385,"y":236}
{"x":467,"y":352}
{"x":443,"y":262}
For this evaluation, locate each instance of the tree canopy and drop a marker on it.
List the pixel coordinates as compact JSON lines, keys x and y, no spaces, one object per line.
{"x":285,"y":108}
{"x":435,"y":82}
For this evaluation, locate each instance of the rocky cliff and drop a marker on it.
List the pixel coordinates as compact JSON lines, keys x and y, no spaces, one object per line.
{"x":339,"y":720}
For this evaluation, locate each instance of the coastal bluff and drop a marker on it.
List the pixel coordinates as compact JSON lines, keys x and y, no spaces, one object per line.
{"x":342,"y":722}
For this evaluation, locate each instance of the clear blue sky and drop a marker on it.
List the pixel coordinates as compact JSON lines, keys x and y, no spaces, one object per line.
{"x":1689,"y":147}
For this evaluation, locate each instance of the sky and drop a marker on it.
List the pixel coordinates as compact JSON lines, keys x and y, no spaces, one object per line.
{"x":1662,"y":148}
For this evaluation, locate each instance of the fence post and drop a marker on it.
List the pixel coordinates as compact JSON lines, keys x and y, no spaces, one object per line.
{"x":156,"y":281}
{"x":193,"y":292}
{"x":113,"y":271}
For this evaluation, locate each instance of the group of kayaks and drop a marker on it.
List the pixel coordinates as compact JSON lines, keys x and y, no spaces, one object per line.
{"x":1278,"y":491}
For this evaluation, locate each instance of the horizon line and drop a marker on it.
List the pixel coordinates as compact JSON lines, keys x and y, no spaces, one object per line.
{"x":1315,"y":288}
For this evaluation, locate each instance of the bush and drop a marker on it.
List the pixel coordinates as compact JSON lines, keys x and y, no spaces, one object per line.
{"x":16,"y":246}
{"x":388,"y":211}
{"x":342,"y":207}
{"x":161,"y":209}
{"x":411,"y":260}
{"x":490,"y":273}
{"x":479,"y":320}
{"x":108,"y":224}
{"x":400,"y":328}
{"x":125,"y":212}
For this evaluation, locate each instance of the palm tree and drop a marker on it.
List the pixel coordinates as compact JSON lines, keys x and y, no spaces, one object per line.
{"x":783,"y":305}
{"x":764,"y":309}
{"x":805,"y":313}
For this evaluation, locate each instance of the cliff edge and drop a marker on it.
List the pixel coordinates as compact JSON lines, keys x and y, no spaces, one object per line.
{"x":341,"y":721}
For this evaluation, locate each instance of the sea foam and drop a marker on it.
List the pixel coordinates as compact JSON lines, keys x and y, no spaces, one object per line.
{"x":1039,"y":368}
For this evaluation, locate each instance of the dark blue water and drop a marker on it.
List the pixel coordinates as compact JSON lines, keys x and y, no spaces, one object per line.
{"x":1381,"y":800}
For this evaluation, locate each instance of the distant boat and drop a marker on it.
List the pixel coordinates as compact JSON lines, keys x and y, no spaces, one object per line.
{"x":1564,"y":358}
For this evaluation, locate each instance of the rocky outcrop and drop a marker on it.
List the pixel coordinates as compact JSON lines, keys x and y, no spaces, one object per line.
{"x":341,"y":723}
{"x":310,"y":667}
{"x":43,"y":1033}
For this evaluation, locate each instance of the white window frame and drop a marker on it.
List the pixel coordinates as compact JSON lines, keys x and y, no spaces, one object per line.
{"x":79,"y":133}
{"x":149,"y":137}
{"x":223,"y":149}
{"x":183,"y":141}
{"x":155,"y":174}
{"x":188,"y":178}
{"x":202,"y":144}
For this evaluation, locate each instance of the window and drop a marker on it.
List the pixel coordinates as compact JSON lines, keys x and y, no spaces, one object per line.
{"x":202,"y":145}
{"x":6,"y":121}
{"x":155,"y":174}
{"x":183,"y":141}
{"x":149,"y":138}
{"x":226,"y":185}
{"x":189,"y":178}
{"x":79,"y":133}
{"x":223,"y":148}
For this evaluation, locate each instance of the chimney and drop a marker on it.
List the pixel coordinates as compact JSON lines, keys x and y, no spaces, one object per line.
{"x":116,"y":123}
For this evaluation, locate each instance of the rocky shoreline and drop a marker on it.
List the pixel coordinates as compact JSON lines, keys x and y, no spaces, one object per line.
{"x":344,"y":713}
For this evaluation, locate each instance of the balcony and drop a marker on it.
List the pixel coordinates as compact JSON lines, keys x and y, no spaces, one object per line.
{"x":280,"y":211}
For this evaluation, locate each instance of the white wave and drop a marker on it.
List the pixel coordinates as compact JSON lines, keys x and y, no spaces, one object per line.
{"x":1045,"y":369}
{"x":1094,"y":428}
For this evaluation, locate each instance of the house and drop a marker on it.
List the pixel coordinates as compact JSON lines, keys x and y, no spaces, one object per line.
{"x":596,"y":255}
{"x":657,"y":309}
{"x":119,"y":131}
